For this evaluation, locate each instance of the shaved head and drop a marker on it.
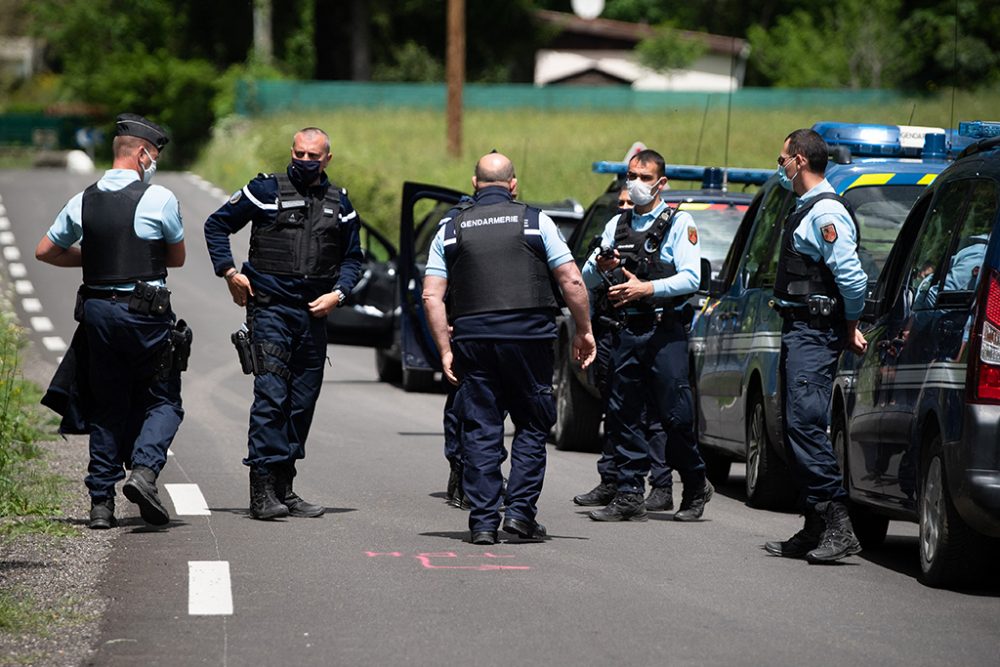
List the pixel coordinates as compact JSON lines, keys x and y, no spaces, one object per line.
{"x":494,"y":168}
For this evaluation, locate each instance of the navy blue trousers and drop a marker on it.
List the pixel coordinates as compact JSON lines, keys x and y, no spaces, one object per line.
{"x":453,"y":429}
{"x":497,"y":376}
{"x":660,"y":474}
{"x":135,"y":415}
{"x":807,"y":366}
{"x":282,"y":410}
{"x":649,"y":381}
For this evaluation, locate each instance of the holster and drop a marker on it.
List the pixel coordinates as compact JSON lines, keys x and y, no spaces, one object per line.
{"x":241,"y":341}
{"x":176,"y":351}
{"x":259,"y":358}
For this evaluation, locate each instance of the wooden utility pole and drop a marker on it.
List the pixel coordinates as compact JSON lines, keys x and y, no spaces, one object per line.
{"x":455,"y":72}
{"x":263,"y":44}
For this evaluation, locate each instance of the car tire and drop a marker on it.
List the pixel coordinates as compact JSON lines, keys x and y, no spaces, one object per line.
{"x":869,"y":527}
{"x":578,"y":414}
{"x":387,"y":368}
{"x":950,"y":551}
{"x":768,"y":482}
{"x":418,"y":380}
{"x":716,"y":466}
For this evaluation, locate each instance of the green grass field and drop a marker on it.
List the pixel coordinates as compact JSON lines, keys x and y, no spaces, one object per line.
{"x":376,"y":150}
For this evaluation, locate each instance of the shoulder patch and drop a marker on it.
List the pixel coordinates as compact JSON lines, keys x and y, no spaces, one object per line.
{"x":829,"y":233}
{"x":236,"y":196}
{"x":693,"y":234}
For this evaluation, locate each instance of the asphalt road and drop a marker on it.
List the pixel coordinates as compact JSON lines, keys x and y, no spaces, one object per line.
{"x":386,"y":577}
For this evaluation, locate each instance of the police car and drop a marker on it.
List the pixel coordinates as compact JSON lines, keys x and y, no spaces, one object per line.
{"x":385,"y":309}
{"x":735,"y":344}
{"x":916,"y":420}
{"x":717,"y":212}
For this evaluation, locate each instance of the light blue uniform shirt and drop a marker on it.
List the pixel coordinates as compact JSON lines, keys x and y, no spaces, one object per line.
{"x":841,"y":255}
{"x":557,"y":252}
{"x":677,"y":248}
{"x":158,"y":216}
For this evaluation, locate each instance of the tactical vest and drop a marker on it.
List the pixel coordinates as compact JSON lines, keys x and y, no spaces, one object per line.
{"x":112,"y":252}
{"x":800,"y":276}
{"x":640,"y":253}
{"x":496,"y":260}
{"x":303,"y":239}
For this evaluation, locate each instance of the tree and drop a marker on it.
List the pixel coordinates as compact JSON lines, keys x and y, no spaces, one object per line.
{"x":668,"y":50}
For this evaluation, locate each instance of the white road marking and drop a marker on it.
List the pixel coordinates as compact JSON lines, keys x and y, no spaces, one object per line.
{"x":170,"y":452}
{"x":6,"y":238}
{"x":17,"y":270}
{"x":3,"y":210}
{"x":12,"y":254}
{"x":23,"y":287}
{"x":188,"y":500}
{"x":210,"y":592}
{"x":31,"y":305}
{"x":54,"y":344}
{"x":4,"y":223}
{"x":41,"y":324}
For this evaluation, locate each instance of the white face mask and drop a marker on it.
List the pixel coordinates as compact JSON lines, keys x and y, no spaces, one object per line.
{"x":147,"y":172}
{"x":641,"y":193}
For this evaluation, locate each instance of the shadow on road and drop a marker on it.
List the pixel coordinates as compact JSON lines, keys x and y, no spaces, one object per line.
{"x":246,"y":512}
{"x":901,"y":553}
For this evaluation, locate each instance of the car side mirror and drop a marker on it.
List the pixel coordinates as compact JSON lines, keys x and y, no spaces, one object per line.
{"x":705,"y":286}
{"x":716,"y":287}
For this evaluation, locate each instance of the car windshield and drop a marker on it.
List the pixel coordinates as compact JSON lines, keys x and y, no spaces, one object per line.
{"x":427,"y":228}
{"x":881,"y":210}
{"x":717,"y":225}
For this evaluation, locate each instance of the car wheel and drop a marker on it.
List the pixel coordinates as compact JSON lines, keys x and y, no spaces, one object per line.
{"x":417,"y":380}
{"x":716,"y":466}
{"x":387,"y":368}
{"x":578,"y":414}
{"x":768,"y":482}
{"x":869,"y":526}
{"x":949,"y":550}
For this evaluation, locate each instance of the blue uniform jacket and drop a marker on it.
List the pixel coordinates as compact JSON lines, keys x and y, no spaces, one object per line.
{"x":257,"y":202}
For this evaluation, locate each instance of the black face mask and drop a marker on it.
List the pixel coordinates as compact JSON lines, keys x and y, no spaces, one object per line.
{"x":305,"y":172}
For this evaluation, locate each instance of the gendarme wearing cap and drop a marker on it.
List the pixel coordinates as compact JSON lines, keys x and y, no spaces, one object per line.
{"x":134,"y":125}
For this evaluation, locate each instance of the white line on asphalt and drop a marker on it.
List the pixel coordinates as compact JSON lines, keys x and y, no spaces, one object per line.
{"x":209,"y":590}
{"x":3,"y":210}
{"x":54,"y":344}
{"x":17,"y":270}
{"x":23,"y":287}
{"x":170,"y":452}
{"x":31,"y":305}
{"x":6,"y":238}
{"x":41,"y":324}
{"x":188,"y":500}
{"x":12,"y":254}
{"x":4,"y":223}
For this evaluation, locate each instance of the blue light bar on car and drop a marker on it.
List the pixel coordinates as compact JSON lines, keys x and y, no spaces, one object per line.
{"x":979,"y":129}
{"x":690,"y":172}
{"x":891,"y":141}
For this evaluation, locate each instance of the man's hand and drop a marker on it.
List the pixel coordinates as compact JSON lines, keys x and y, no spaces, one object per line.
{"x":239,"y":287}
{"x":324,"y":304}
{"x":631,"y":290}
{"x":608,"y":264}
{"x":584,"y":348}
{"x":856,"y":342}
{"x":448,"y":366}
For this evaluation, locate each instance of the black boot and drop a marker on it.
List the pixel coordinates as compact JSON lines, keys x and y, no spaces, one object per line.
{"x":660,"y":499}
{"x":456,"y":490}
{"x":693,"y":503}
{"x":602,"y":494}
{"x":283,"y":476}
{"x":624,"y":507}
{"x":802,"y":542}
{"x":102,"y":514}
{"x":141,"y":490}
{"x":838,"y":540}
{"x":264,"y":504}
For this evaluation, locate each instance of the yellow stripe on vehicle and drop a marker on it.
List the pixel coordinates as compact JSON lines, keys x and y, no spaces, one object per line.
{"x":692,"y":206}
{"x":927,"y":179}
{"x":870,"y":179}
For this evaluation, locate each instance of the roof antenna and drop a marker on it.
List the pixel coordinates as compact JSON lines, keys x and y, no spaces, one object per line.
{"x":701,"y":134}
{"x":954,"y":74}
{"x":912,"y":111}
{"x":729,"y":113}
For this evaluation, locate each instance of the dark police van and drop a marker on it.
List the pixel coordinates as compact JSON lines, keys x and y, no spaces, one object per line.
{"x":735,"y":344}
{"x":916,"y":420}
{"x":717,"y":212}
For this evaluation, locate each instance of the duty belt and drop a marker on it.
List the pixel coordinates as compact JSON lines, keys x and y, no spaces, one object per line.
{"x":802,"y":314}
{"x":643,"y":322}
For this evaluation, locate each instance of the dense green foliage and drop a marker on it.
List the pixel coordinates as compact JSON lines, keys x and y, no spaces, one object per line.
{"x":668,"y":49}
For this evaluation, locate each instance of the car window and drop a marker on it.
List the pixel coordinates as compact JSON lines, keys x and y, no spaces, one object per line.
{"x":601,"y":211}
{"x":375,"y":247}
{"x":880,"y":210}
{"x":973,"y":237}
{"x":429,"y":212}
{"x":717,"y":227}
{"x":762,"y":253}
{"x":931,"y":248}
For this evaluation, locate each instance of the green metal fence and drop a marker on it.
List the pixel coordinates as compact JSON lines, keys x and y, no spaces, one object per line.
{"x":40,"y":130}
{"x":268,"y":97}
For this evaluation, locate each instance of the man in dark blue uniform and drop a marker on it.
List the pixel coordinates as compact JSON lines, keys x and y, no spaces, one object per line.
{"x":305,"y":257}
{"x":496,"y":259}
{"x":820,"y":292}
{"x":660,"y":256}
{"x":130,"y":232}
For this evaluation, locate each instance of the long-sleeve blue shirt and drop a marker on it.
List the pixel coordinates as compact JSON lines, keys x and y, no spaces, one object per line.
{"x":257,"y":202}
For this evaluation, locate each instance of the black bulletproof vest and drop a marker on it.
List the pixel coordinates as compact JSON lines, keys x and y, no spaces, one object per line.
{"x":112,"y":251}
{"x":800,"y":276}
{"x":497,"y":262}
{"x":640,"y":254}
{"x":303,"y":239}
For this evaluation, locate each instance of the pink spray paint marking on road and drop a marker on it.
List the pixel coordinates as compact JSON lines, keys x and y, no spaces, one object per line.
{"x":430,"y":560}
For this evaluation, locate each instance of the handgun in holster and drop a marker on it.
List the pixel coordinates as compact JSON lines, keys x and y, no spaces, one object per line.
{"x":244,"y":349}
{"x":175,"y":351}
